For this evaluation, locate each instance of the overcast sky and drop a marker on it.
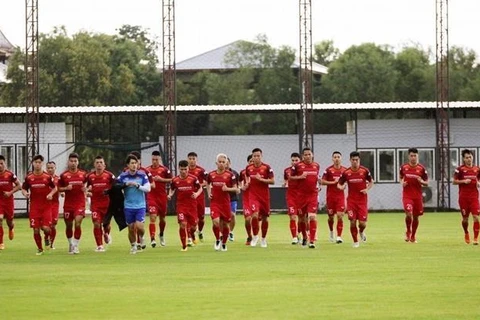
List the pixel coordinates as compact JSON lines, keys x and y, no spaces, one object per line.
{"x":202,"y":25}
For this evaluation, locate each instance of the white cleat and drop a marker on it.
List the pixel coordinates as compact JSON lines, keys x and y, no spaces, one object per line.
{"x":331,"y":238}
{"x":254,"y":241}
{"x":224,"y":247}
{"x":295,"y":240}
{"x":217,"y":245}
{"x":190,"y":242}
{"x":356,"y":244}
{"x":339,"y":240}
{"x":100,"y":249}
{"x":263,"y":243}
{"x":162,"y":241}
{"x":133,"y":250}
{"x":76,"y":250}
{"x":231,"y":237}
{"x":363,"y":236}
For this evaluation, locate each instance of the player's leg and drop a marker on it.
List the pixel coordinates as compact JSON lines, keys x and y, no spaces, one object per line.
{"x":97,"y":230}
{"x":35,"y":222}
{"x":293,"y":218}
{"x":68,"y":219}
{"x":233,"y":220}
{"x":408,"y":209}
{"x":53,"y":226}
{"x":476,"y":223}
{"x":140,"y":226}
{"x":331,"y":219}
{"x":152,"y":214}
{"x":216,"y":229}
{"x":247,"y":214}
{"x":417,"y":212}
{"x":182,"y":230}
{"x":2,"y":246}
{"x":9,"y":217}
{"x":201,"y":215}
{"x":340,"y":215}
{"x":312,"y":226}
{"x":46,"y":223}
{"x":77,"y":232}
{"x":465,"y":212}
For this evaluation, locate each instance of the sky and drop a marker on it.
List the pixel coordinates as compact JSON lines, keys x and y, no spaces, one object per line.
{"x":203,"y":25}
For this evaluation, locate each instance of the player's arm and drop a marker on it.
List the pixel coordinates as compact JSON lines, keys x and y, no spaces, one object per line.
{"x":341,"y":184}
{"x":51,"y":193}
{"x":171,"y":192}
{"x":209,"y":190}
{"x":233,"y":188}
{"x":25,"y":189}
{"x":199,"y":191}
{"x":457,"y":179}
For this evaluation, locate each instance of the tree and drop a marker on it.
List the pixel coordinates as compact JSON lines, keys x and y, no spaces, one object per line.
{"x":325,"y":52}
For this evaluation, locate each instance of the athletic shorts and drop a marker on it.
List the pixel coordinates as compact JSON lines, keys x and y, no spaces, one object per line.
{"x":220,"y":211}
{"x":201,"y":206}
{"x":357,"y":211}
{"x":233,"y":207}
{"x":467,"y":206}
{"x":54,"y":209}
{"x":309,"y":204}
{"x":335,"y":205}
{"x":413,"y":206}
{"x":262,"y":206}
{"x":190,"y":219}
{"x":134,"y":215}
{"x":7,"y":211}
{"x":70,"y":214}
{"x":40,"y":217}
{"x":159,"y":208}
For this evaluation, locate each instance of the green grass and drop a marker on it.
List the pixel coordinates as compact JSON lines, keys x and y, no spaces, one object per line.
{"x":385,"y":278}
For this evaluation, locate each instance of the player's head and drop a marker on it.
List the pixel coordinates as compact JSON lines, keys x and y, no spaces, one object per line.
{"x":73,"y":161}
{"x":192,"y":159}
{"x":467,"y":156}
{"x":257,"y":156}
{"x":99,"y":163}
{"x":138,"y":155}
{"x":156,"y":158}
{"x":337,"y":158}
{"x":183,"y":168}
{"x":307,"y":154}
{"x":51,"y":167}
{"x":132,"y":162}
{"x":295,"y":158}
{"x":3,"y":165}
{"x":37,"y":162}
{"x":355,"y":159}
{"x":229,"y":163}
{"x":221,"y":161}
{"x":250,"y":159}
{"x":413,"y":156}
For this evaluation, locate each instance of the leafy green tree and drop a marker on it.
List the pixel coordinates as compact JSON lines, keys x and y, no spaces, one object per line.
{"x":325,"y":52}
{"x":414,"y":70}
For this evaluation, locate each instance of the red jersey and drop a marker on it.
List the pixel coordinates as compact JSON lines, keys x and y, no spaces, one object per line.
{"x":184,"y":190}
{"x":245,"y":193}
{"x":160,"y":191}
{"x":217,"y":180}
{"x":7,"y":182}
{"x":292,"y":185}
{"x":100,"y":183}
{"x":259,"y":190}
{"x":331,"y":174}
{"x":40,"y":185}
{"x":198,"y":172}
{"x":308,"y":185}
{"x":356,"y":181}
{"x":467,"y":190}
{"x":410,"y":174}
{"x":75,"y":198}
{"x":56,"y":194}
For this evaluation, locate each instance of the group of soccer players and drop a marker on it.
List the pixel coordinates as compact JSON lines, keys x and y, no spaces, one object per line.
{"x":145,"y":189}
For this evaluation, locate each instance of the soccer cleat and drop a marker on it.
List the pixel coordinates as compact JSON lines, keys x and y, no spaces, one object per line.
{"x":2,"y":246}
{"x":52,"y":246}
{"x":153,"y":243}
{"x":467,"y":238}
{"x":475,"y":242}
{"x":339,"y":240}
{"x":133,"y":249}
{"x":311,"y":245}
{"x":356,"y":244}
{"x":407,"y":236}
{"x":47,"y":244}
{"x":76,"y":250}
{"x":70,"y":248}
{"x":294,"y":240}
{"x":413,"y":240}
{"x":184,"y":249}
{"x":331,"y":237}
{"x":304,"y":243}
{"x":200,"y":236}
{"x":11,"y":234}
{"x":363,"y":236}
{"x":249,"y":241}
{"x":216,"y":246}
{"x":263,"y":243}
{"x":195,"y":241}
{"x":224,"y":247}
{"x":190,"y":242}
{"x":254,"y":241}
{"x":107,"y":238}
{"x":162,"y":241}
{"x":231,"y":237}
{"x":100,"y":249}
{"x":39,"y":252}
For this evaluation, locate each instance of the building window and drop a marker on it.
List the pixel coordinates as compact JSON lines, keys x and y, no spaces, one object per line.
{"x":7,"y":152}
{"x":367,"y":159}
{"x":454,"y":161}
{"x":22,"y":162}
{"x":425,"y":157}
{"x":386,"y":165}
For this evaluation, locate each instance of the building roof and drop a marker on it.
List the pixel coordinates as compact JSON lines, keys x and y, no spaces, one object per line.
{"x":215,"y":60}
{"x":5,"y":45}
{"x":247,"y":108}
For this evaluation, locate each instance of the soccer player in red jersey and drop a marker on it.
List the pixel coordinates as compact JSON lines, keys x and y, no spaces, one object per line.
{"x":412,"y":177}
{"x":220,"y":183}
{"x":98,"y":184}
{"x":335,"y":196}
{"x":247,"y":213}
{"x":359,"y":181}
{"x":188,"y":190}
{"x":157,"y":197}
{"x":55,"y":206}
{"x":233,"y":201}
{"x":467,"y":177}
{"x":307,"y":173}
{"x":39,"y":187}
{"x":72,"y":182}
{"x":259,"y":176}
{"x":291,"y":196}
{"x":200,"y":173}
{"x":9,"y":184}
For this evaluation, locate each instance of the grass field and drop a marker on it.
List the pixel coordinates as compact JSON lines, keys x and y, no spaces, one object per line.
{"x":386,"y":278}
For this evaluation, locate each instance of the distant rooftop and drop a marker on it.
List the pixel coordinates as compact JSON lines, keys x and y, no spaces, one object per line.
{"x":5,"y":45}
{"x":215,"y":60}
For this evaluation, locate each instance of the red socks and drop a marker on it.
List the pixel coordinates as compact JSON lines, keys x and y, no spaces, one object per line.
{"x":465,"y":226}
{"x":216,"y":232}
{"x":293,"y":228}
{"x":53,"y":234}
{"x":38,"y":240}
{"x":225,"y":232}
{"x":415,"y":223}
{"x":183,"y":236}
{"x":77,"y":233}
{"x":354,"y":232}
{"x":255,"y":226}
{"x":248,"y":228}
{"x":97,"y":233}
{"x":408,"y":224}
{"x":476,"y":229}
{"x":339,"y":228}
{"x":201,"y":223}
{"x":162,"y":225}
{"x":69,"y":232}
{"x":330,"y":224}
{"x":1,"y":234}
{"x":151,"y":229}
{"x":264,"y":228}
{"x":313,"y":230}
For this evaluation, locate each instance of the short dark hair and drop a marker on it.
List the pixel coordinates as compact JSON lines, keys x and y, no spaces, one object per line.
{"x":354,"y":154}
{"x":156,"y":153}
{"x":73,"y":155}
{"x":51,"y":162}
{"x":336,"y":152}
{"x":412,"y":150}
{"x":130,"y":157}
{"x":2,"y":157}
{"x":295,"y":154}
{"x":99,"y":157}
{"x":183,"y":164}
{"x":136,"y":154}
{"x":257,"y":150}
{"x":249,"y":157}
{"x":465,"y":152}
{"x":306,"y":149}
{"x":192,"y":154}
{"x":37,"y":157}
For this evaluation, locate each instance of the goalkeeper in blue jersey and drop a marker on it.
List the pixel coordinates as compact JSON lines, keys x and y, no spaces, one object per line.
{"x":135,"y":185}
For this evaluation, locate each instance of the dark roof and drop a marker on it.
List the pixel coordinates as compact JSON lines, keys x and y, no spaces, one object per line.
{"x":5,"y":45}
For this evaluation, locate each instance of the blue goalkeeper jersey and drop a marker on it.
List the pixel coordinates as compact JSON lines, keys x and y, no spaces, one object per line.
{"x":134,"y":198}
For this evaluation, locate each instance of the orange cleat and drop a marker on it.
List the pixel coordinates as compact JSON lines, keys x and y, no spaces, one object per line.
{"x":407,"y":236}
{"x":11,"y":234}
{"x":2,"y":246}
{"x":467,"y":238}
{"x":249,"y":240}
